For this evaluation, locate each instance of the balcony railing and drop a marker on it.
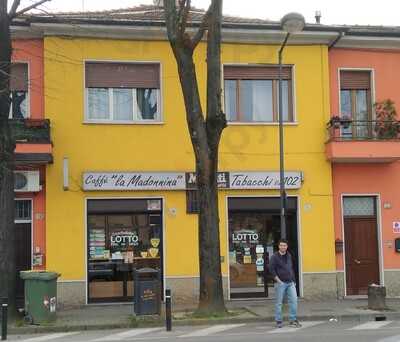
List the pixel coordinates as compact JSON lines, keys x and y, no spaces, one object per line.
{"x":361,"y":130}
{"x":374,"y":141}
{"x":31,"y":130}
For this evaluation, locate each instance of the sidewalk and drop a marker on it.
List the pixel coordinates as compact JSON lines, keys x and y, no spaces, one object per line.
{"x":93,"y":317}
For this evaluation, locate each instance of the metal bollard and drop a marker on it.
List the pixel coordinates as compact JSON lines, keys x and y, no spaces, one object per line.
{"x":4,"y":315}
{"x":168,"y":320}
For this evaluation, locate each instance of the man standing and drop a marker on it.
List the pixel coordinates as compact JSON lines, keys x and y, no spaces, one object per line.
{"x":281,"y":268}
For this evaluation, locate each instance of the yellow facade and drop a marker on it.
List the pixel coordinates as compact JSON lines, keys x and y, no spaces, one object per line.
{"x":166,"y":147}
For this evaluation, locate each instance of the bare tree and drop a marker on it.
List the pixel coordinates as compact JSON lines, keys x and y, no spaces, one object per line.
{"x":205,"y":133}
{"x":7,"y":146}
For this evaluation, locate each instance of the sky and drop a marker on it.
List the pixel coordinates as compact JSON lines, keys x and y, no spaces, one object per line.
{"x":350,"y":12}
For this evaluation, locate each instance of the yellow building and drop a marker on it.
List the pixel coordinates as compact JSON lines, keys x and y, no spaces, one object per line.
{"x":120,"y":193}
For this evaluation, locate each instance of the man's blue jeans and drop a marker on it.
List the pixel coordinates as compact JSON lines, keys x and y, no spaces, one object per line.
{"x":290,"y":290}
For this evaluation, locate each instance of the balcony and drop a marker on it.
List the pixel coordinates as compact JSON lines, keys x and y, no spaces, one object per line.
{"x":363,"y":141}
{"x":33,"y":142}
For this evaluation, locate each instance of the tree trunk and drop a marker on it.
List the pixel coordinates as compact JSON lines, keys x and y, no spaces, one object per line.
{"x":7,"y":146}
{"x":205,"y":134}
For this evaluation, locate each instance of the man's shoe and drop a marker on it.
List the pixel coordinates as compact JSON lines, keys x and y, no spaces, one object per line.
{"x":295,"y":324}
{"x":279,"y":324}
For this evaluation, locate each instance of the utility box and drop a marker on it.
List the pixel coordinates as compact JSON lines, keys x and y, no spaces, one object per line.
{"x":40,"y":296}
{"x":376,"y":297}
{"x":147,"y":291}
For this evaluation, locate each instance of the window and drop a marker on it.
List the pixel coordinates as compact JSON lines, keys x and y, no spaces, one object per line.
{"x":19,"y":91}
{"x":122,"y":92}
{"x":192,"y":202}
{"x":252,"y":92}
{"x":355,"y":103}
{"x":23,"y":210}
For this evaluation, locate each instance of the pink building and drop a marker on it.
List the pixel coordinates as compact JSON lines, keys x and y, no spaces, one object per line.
{"x":31,"y":154}
{"x":364,"y":150}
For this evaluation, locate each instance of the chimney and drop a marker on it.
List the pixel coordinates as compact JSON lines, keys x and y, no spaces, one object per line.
{"x":318,"y":17}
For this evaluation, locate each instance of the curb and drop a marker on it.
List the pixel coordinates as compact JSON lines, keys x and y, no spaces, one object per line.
{"x":197,"y":322}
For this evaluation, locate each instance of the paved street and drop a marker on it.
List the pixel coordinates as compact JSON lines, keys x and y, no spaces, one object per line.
{"x":384,"y":331}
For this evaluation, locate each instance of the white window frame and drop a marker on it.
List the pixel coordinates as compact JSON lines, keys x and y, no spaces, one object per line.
{"x":136,"y":121}
{"x":294,"y":121}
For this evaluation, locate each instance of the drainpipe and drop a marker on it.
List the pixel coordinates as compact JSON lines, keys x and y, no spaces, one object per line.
{"x":340,"y":35}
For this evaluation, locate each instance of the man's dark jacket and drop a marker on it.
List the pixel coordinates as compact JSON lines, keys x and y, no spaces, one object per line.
{"x":282,"y":266}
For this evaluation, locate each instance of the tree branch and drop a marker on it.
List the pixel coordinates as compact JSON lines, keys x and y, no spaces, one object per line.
{"x":184,"y":8}
{"x":203,"y":27}
{"x":171,"y":20}
{"x":26,"y":9}
{"x":14,"y":8}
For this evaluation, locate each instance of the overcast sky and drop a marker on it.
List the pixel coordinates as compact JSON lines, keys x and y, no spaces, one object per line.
{"x":351,"y":12}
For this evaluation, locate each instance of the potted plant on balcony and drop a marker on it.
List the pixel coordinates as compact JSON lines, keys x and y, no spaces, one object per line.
{"x":386,"y":125}
{"x":337,"y":121}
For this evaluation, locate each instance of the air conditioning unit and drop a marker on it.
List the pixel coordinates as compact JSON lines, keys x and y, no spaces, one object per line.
{"x":26,"y":181}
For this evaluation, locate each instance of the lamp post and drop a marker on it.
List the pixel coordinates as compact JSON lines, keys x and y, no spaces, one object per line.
{"x":290,"y":23}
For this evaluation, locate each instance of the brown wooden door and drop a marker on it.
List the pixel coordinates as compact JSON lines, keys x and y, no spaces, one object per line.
{"x":23,"y":254}
{"x":361,"y":246}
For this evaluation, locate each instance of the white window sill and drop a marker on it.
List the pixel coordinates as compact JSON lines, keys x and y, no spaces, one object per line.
{"x":98,"y":122}
{"x":261,"y":123}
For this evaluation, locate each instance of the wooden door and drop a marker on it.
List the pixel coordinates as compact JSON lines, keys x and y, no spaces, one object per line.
{"x":362,"y":261}
{"x":23,"y":254}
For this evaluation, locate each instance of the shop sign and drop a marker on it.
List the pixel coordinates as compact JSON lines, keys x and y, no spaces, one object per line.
{"x":187,"y":180}
{"x":124,"y":239}
{"x":222,"y":180}
{"x":134,"y":181}
{"x":250,"y":180}
{"x":250,"y":237}
{"x":264,"y":180}
{"x":396,"y":227}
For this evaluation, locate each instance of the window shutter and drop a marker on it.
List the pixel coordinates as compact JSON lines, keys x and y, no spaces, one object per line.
{"x":19,"y":77}
{"x":353,"y":79}
{"x":122,"y":75}
{"x":256,"y":73}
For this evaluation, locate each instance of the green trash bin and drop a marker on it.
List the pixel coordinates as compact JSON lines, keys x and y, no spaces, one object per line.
{"x":40,"y":296}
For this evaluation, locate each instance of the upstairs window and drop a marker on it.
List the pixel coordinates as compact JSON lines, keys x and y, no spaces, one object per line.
{"x":355,"y":103}
{"x":19,"y":91}
{"x":122,"y":92}
{"x":252,"y":94}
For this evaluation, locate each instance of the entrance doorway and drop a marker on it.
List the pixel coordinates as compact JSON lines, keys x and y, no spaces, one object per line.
{"x":254,"y":232}
{"x":23,"y":244}
{"x":361,"y":244}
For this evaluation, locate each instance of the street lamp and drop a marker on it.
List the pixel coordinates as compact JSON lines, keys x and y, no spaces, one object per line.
{"x":290,"y":23}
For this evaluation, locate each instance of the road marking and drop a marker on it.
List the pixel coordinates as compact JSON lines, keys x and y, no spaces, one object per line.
{"x":127,"y":334}
{"x":288,"y":329}
{"x":50,"y":337}
{"x":212,"y":330}
{"x":371,"y":325}
{"x":390,"y":339}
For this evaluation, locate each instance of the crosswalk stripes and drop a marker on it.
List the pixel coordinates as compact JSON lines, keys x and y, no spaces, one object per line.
{"x":371,"y":325}
{"x":212,"y":330}
{"x":304,"y":325}
{"x":50,"y":337}
{"x":127,"y":334}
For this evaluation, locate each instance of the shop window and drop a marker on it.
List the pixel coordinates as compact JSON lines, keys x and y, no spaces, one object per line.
{"x":122,"y":92}
{"x":118,"y":244}
{"x":355,"y":103}
{"x":251,"y":94}
{"x":19,"y":91}
{"x":192,"y":202}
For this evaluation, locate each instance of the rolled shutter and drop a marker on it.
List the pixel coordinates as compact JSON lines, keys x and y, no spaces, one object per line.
{"x":122,"y":75}
{"x":353,"y":79}
{"x":19,"y":77}
{"x":256,"y":73}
